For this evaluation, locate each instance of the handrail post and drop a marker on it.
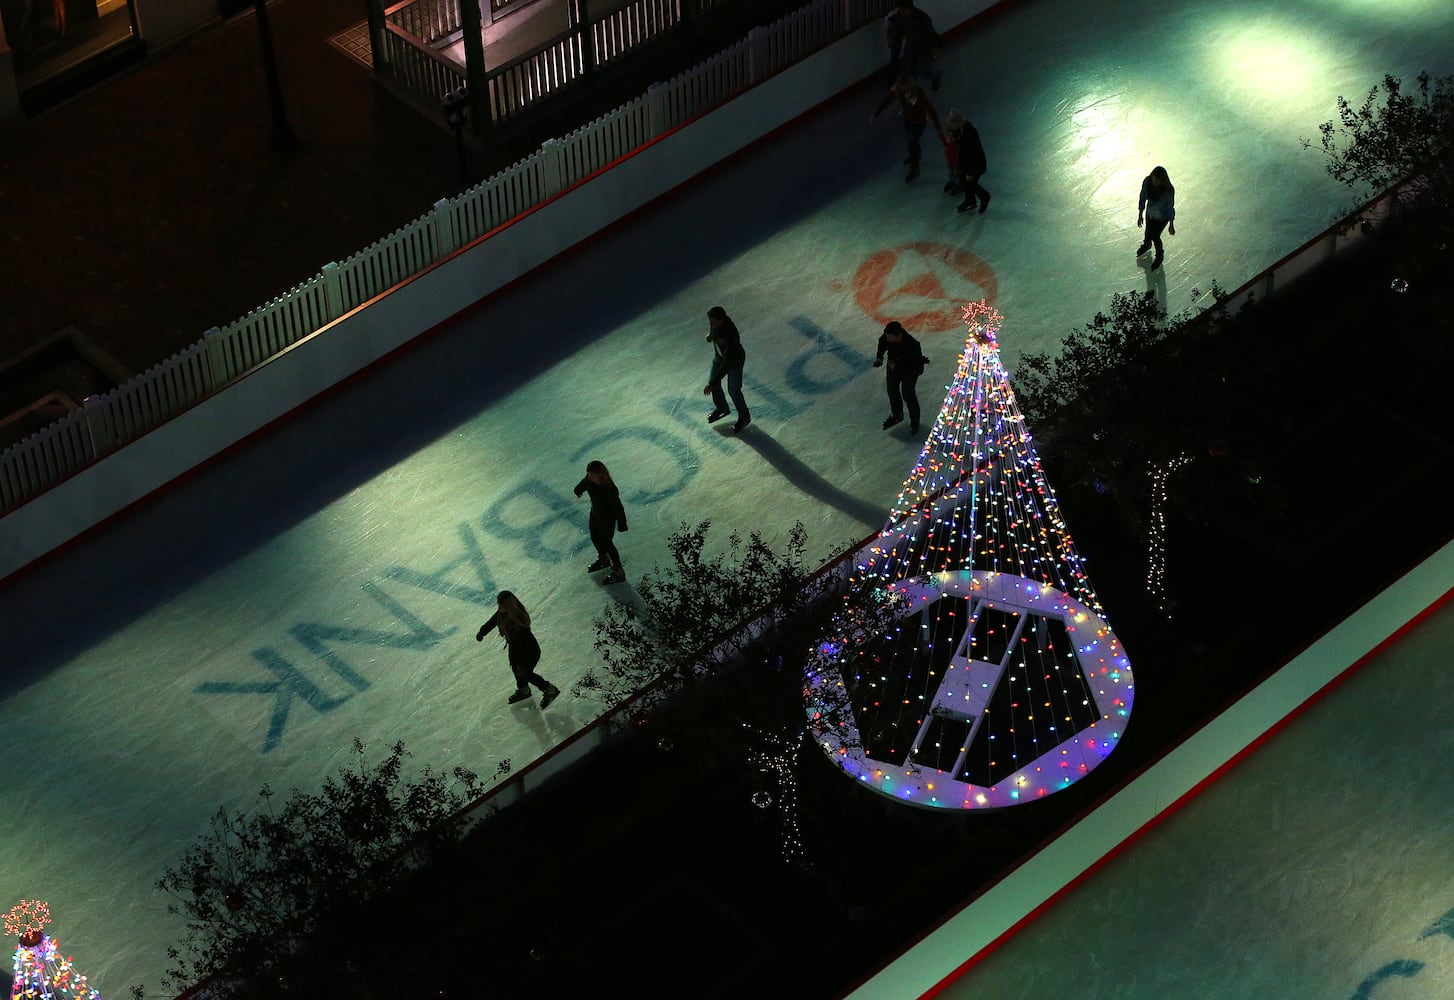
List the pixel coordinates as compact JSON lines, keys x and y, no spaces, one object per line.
{"x":97,"y":436}
{"x":553,"y":176}
{"x":757,"y":69}
{"x":656,"y":108}
{"x":442,"y":221}
{"x":332,"y":290}
{"x":217,"y":357}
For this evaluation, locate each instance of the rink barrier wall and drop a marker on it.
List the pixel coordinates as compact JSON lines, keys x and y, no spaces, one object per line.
{"x":124,"y":444}
{"x":965,"y":938}
{"x":831,"y":580}
{"x":833,"y":577}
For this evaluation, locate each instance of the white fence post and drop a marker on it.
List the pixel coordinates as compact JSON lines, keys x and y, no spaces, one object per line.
{"x":332,"y":290}
{"x":96,"y":433}
{"x":757,"y":67}
{"x":550,"y":155}
{"x":217,"y":357}
{"x":445,"y":238}
{"x":656,"y":108}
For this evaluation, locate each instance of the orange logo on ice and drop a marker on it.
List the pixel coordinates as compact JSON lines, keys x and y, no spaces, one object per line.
{"x":922,"y":285}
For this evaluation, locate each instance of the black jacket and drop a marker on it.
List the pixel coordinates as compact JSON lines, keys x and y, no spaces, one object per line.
{"x":913,"y":28}
{"x":728,"y":344}
{"x":523,"y":649}
{"x":971,"y":161}
{"x":605,"y":501}
{"x":905,"y":357}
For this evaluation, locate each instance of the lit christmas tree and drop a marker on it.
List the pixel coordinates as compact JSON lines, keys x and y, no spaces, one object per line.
{"x":40,"y":971}
{"x":996,"y":679}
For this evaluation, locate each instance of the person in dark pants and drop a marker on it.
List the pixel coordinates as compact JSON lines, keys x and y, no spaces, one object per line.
{"x":917,"y":112}
{"x":607,"y":517}
{"x":969,"y":161}
{"x":913,"y":44}
{"x":727,"y":362}
{"x":524,"y":652}
{"x":906,"y":364}
{"x":1157,"y":205}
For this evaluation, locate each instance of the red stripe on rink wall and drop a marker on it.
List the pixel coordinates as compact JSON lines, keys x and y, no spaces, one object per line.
{"x":938,"y":958}
{"x":451,"y":288}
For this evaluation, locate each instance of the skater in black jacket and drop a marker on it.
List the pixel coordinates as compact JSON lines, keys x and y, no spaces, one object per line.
{"x":728,"y":359}
{"x":607,"y":517}
{"x":524,"y":652}
{"x":913,"y":44}
{"x":969,"y":161}
{"x":906,"y":364}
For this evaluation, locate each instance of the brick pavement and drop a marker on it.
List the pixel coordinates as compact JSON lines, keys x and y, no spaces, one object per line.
{"x":153,"y":207}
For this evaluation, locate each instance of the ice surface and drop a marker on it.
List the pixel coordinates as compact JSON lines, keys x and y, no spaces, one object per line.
{"x":356,"y":549}
{"x":1317,"y":867}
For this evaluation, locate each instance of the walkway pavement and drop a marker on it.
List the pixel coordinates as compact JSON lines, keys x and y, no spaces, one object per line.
{"x":154,"y":206}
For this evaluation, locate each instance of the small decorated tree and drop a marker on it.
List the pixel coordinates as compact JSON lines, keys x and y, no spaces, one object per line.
{"x":41,"y":973}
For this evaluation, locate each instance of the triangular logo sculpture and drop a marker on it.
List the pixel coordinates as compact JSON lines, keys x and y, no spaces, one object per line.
{"x":984,"y":673}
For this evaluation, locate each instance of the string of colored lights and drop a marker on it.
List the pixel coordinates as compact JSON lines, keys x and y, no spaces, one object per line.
{"x":40,"y":971}
{"x":1156,"y":532}
{"x":777,"y":756}
{"x":970,"y":663}
{"x":978,"y":496}
{"x":27,"y":917}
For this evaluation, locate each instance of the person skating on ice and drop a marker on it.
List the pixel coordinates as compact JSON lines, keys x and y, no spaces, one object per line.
{"x":1157,"y":205}
{"x":917,"y":112}
{"x":906,"y":363}
{"x":913,"y":44}
{"x":522,"y":649}
{"x":966,"y":152}
{"x":728,"y":359}
{"x":607,"y":517}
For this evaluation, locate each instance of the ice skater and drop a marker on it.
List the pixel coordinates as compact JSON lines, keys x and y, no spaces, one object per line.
{"x":913,"y":44}
{"x":906,"y":364}
{"x":1157,"y":205}
{"x":524,"y":652}
{"x":607,"y":517}
{"x":966,"y":152}
{"x":728,"y":359}
{"x":917,"y":112}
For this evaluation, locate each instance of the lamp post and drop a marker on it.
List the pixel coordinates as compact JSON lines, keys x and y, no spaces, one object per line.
{"x":283,"y":137}
{"x":456,"y":112}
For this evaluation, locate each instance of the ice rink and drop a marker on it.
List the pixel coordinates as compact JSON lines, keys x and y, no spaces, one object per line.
{"x":1317,"y":867}
{"x":324,"y":582}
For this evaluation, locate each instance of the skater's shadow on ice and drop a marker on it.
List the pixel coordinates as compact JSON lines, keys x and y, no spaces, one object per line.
{"x":1155,"y":281}
{"x":801,"y":475}
{"x":551,"y":726}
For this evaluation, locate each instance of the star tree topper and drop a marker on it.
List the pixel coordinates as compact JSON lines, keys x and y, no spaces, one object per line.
{"x":28,"y":919}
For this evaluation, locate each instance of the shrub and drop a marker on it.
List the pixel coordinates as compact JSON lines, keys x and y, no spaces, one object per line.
{"x":688,"y":621}
{"x":1391,"y":136}
{"x":256,"y":883}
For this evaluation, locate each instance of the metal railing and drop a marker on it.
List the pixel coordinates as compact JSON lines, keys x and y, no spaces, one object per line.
{"x":110,"y":420}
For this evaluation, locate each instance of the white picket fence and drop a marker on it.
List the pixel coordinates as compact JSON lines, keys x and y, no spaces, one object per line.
{"x":107,"y":422}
